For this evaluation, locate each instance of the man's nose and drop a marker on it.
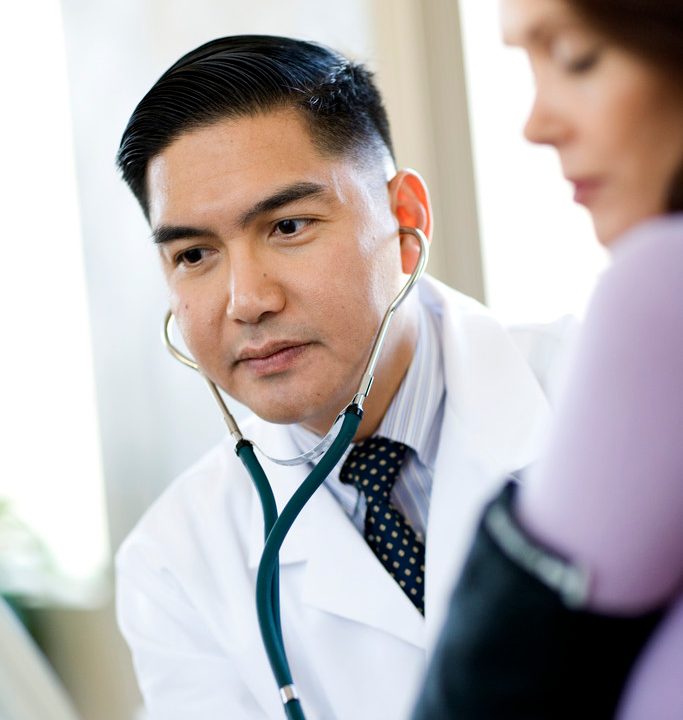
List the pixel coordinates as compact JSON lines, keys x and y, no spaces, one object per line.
{"x":255,"y":292}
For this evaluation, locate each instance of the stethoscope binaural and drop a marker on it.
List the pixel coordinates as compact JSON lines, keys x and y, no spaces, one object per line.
{"x":331,"y":447}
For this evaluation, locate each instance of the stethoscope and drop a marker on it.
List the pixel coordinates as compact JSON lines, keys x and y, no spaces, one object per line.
{"x":331,"y":448}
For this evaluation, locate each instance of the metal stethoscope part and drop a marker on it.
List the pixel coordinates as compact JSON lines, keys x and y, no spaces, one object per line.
{"x":365,"y":383}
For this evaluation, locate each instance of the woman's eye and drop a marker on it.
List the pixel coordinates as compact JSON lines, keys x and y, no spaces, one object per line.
{"x":289,"y":226}
{"x":584,"y":63}
{"x":576,"y":54}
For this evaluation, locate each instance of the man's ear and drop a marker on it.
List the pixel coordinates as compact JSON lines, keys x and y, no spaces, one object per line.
{"x":410,"y":205}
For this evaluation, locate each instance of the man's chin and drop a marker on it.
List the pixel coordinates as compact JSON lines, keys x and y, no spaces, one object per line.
{"x":294,"y":414}
{"x":294,"y":401}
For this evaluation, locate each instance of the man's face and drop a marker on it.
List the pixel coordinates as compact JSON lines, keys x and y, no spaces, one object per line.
{"x":280,"y":263}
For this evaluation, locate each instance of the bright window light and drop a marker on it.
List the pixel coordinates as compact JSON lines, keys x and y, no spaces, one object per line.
{"x":50,"y":465}
{"x":541,"y":258}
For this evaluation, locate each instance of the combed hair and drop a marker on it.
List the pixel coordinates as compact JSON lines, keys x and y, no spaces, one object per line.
{"x":244,"y":75}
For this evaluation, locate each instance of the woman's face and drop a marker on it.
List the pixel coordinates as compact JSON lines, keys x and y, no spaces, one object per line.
{"x":615,"y":120}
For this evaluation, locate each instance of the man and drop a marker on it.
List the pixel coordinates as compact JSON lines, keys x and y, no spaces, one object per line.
{"x":265,"y":168}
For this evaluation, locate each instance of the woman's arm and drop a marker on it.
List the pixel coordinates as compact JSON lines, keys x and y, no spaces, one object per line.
{"x":608,"y":492}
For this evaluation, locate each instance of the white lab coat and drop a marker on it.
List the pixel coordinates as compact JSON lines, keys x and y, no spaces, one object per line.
{"x":357,"y":646}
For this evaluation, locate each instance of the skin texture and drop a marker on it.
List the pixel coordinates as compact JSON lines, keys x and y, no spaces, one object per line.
{"x":279,"y":301}
{"x":615,"y":121}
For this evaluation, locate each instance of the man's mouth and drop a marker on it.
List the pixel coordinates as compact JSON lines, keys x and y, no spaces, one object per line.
{"x":271,"y":358}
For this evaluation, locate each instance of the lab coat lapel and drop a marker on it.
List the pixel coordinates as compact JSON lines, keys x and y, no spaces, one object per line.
{"x":342,"y":575}
{"x":495,"y":418}
{"x":345,"y":578}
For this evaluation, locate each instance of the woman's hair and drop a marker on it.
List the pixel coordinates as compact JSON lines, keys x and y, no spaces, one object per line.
{"x":651,"y":29}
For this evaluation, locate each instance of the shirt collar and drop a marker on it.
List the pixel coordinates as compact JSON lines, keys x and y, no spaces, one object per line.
{"x":413,"y":410}
{"x":411,"y":414}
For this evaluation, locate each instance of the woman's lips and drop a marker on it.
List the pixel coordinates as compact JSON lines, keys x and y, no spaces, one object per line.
{"x":276,"y":362}
{"x":586,"y":190}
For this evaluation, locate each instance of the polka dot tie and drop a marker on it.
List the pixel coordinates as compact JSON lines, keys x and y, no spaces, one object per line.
{"x":373,"y":466}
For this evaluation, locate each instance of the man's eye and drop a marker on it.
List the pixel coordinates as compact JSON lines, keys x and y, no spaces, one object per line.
{"x":190,"y":257}
{"x":289,"y":226}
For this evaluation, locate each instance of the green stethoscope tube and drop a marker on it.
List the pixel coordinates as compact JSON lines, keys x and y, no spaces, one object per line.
{"x":276,"y":528}
{"x":245,"y":452}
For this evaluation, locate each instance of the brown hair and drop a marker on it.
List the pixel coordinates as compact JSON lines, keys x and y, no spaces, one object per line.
{"x":652,"y":29}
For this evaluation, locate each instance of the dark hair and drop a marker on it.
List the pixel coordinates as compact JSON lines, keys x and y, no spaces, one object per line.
{"x":245,"y":74}
{"x":652,"y":29}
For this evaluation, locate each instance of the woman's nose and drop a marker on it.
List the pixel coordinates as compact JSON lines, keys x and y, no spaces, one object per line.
{"x":546,"y":124}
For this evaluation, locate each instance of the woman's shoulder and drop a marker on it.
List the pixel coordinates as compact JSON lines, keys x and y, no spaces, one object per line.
{"x":654,"y":245}
{"x":646,"y":275}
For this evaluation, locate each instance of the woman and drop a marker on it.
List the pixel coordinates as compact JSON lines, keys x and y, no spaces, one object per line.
{"x":571,"y":601}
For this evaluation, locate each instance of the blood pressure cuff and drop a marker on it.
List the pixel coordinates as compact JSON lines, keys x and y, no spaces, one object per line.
{"x":518,"y":644}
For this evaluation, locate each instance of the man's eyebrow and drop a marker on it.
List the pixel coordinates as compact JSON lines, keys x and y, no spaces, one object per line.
{"x":169,"y":233}
{"x":288,"y":194}
{"x":284,"y":196}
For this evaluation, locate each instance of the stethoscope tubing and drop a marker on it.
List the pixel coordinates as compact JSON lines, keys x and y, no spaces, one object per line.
{"x":245,"y":452}
{"x":267,"y":577}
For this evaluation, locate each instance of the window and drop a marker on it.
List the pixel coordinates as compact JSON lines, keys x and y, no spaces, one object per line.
{"x":51,"y":481}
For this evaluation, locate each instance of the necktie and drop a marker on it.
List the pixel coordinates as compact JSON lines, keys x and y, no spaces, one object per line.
{"x":373,"y":466}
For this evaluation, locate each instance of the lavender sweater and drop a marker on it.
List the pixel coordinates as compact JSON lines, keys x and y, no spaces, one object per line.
{"x":609,"y":489}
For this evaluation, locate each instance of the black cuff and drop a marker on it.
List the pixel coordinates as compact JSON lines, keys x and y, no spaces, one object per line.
{"x":514,"y":645}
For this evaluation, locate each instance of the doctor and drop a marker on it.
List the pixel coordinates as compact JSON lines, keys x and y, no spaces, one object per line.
{"x":265,"y":168}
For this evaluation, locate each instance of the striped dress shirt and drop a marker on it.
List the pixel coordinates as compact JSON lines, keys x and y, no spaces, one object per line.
{"x":414,"y":418}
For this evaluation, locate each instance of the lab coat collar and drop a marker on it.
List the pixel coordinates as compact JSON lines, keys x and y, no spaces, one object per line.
{"x":344,"y":577}
{"x":490,"y":388}
{"x":495,"y":419}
